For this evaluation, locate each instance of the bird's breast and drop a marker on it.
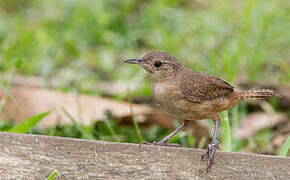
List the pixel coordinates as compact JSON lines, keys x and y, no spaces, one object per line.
{"x":165,"y":91}
{"x":165,"y":95}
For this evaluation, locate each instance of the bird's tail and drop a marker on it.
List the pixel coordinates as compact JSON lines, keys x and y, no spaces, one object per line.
{"x":258,"y":94}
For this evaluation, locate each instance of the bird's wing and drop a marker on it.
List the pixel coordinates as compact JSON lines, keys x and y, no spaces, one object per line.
{"x":198,"y":87}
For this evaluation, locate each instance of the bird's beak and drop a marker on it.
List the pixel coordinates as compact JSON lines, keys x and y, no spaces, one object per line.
{"x":133,"y":61}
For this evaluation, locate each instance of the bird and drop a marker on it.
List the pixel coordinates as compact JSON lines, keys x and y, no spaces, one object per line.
{"x":190,"y":95}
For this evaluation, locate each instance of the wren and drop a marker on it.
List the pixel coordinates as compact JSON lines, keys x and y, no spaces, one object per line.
{"x":189,"y":95}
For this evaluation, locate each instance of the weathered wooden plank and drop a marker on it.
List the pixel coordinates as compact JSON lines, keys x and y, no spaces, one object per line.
{"x":35,"y":157}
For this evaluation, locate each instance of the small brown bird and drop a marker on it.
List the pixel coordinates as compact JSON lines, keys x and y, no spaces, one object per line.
{"x":191,"y":95}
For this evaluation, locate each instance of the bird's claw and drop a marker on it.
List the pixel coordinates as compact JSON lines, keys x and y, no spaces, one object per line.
{"x":210,"y":151}
{"x":161,"y":143}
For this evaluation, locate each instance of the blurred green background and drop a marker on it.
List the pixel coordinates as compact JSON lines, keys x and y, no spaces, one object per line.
{"x":84,"y":41}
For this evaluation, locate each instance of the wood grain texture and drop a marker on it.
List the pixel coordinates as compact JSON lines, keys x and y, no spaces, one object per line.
{"x":35,"y":157}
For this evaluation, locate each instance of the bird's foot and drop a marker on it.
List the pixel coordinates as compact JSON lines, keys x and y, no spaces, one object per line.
{"x":161,"y":143}
{"x":211,"y":148}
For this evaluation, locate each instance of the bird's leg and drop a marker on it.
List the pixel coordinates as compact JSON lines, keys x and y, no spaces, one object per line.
{"x":211,"y":148}
{"x":164,"y":141}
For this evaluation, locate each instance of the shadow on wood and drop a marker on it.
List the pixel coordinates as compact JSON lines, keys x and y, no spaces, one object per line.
{"x":35,"y":157}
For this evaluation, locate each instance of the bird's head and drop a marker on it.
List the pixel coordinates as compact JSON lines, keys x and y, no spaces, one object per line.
{"x":159,"y":65}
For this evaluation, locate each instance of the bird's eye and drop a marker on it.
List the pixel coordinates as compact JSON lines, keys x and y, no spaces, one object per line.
{"x":158,"y":64}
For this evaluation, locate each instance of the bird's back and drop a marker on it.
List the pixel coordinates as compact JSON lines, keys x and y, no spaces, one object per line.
{"x":198,"y":87}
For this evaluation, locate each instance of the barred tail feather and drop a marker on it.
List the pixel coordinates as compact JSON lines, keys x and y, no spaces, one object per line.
{"x":258,"y":94}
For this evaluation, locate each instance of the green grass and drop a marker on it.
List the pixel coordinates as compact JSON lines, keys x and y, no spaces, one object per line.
{"x":85,"y":134}
{"x":226,"y":131}
{"x":135,"y":124}
{"x":7,"y":92}
{"x":246,"y":37}
{"x":52,"y":175}
{"x":28,"y":124}
{"x":285,"y":148}
{"x":108,"y":123}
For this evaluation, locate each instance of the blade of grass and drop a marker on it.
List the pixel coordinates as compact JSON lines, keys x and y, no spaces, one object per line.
{"x":109,"y":126}
{"x":52,"y":175}
{"x":25,"y":126}
{"x":201,"y":143}
{"x":285,"y":148}
{"x":226,"y":131}
{"x":6,"y":91}
{"x":191,"y":140}
{"x":84,"y":133}
{"x":235,"y":120}
{"x":136,"y":127}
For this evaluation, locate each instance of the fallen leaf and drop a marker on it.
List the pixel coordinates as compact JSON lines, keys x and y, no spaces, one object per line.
{"x":279,"y":140}
{"x":256,"y":121}
{"x":84,"y":108}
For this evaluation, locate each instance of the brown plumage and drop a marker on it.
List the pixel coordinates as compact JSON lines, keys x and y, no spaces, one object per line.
{"x":198,"y":87}
{"x":257,"y":94}
{"x":191,"y":95}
